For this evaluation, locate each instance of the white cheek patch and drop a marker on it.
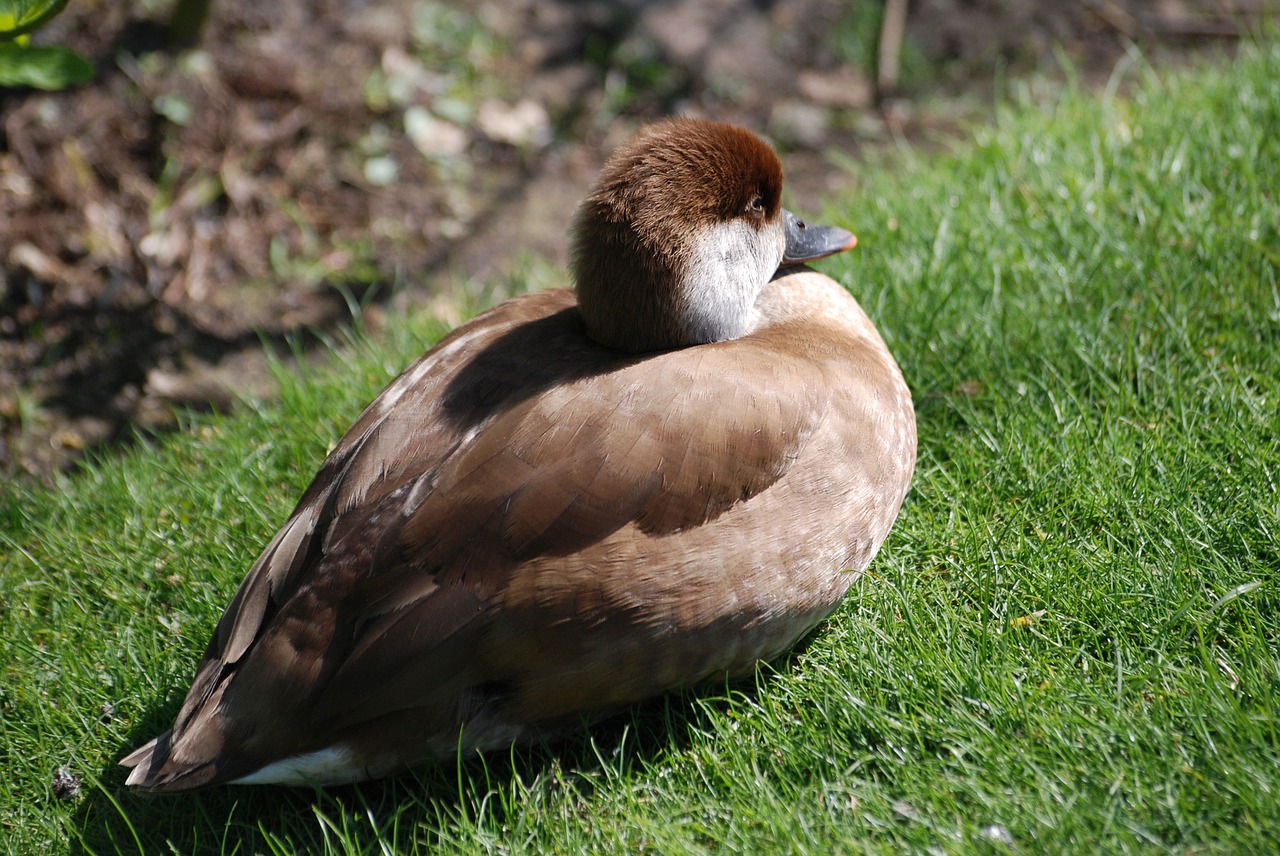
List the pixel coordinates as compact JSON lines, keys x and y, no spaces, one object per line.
{"x":731,"y":263}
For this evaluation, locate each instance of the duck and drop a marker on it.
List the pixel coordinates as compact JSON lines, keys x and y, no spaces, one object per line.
{"x":582,"y":498}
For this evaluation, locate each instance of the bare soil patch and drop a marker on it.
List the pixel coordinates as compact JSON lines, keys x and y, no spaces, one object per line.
{"x":160,"y":223}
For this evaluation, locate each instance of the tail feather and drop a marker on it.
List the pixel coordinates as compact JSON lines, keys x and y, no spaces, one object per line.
{"x":144,"y":754}
{"x":156,"y":770}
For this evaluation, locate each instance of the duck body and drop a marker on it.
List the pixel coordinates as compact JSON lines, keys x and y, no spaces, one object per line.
{"x":529,"y":528}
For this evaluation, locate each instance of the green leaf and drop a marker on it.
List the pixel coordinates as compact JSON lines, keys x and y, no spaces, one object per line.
{"x":43,"y":67}
{"x":19,"y":17}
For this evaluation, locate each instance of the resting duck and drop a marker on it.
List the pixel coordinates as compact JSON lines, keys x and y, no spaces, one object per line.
{"x":569,"y":505}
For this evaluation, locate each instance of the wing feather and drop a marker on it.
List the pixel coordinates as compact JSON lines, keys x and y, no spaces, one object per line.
{"x":476,"y":461}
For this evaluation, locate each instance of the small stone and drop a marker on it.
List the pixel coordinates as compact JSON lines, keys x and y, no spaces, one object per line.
{"x":522,"y":124}
{"x":843,"y":87}
{"x":798,"y":122}
{"x":406,"y":77}
{"x":433,"y":137}
{"x":381,"y":171}
{"x":68,"y":439}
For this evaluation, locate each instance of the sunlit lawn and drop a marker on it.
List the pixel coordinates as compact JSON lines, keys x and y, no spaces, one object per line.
{"x":1069,"y":643}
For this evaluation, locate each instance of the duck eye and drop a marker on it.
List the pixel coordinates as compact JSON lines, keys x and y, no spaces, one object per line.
{"x":756,"y":205}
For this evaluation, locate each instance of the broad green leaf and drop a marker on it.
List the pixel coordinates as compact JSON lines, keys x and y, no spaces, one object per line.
{"x":19,"y":17}
{"x":43,"y":66}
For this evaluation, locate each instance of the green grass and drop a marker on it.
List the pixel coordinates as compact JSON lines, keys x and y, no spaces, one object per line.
{"x":1071,"y":638}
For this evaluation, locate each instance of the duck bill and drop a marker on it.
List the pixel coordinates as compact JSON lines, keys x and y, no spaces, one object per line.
{"x":806,"y":243}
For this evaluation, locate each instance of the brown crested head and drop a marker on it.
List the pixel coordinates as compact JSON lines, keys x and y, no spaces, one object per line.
{"x":636,"y":236}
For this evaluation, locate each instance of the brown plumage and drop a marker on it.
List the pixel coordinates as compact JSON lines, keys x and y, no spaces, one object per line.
{"x":547,"y":517}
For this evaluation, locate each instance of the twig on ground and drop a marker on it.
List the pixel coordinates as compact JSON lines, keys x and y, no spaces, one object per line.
{"x":889,"y":54}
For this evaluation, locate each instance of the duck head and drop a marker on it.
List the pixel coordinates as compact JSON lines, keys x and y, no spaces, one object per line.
{"x":681,"y":232}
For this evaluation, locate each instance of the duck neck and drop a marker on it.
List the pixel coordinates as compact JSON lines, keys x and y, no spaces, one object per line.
{"x":675,"y":294}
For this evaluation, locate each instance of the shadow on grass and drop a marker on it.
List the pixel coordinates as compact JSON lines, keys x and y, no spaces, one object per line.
{"x":419,"y":808}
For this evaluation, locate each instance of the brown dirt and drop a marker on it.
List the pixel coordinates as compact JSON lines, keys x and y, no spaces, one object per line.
{"x":158,"y":224}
